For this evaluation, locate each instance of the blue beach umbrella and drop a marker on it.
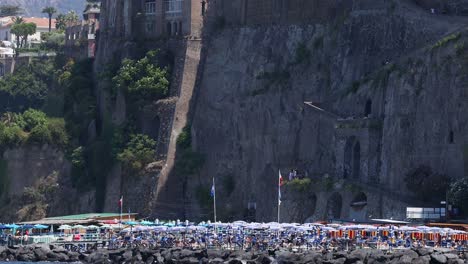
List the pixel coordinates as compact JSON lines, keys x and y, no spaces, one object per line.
{"x":39,"y":226}
{"x":146,"y":223}
{"x":12,"y":226}
{"x":131,"y":223}
{"x":26,"y":227}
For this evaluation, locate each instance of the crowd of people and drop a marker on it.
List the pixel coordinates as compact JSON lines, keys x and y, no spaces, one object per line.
{"x":241,"y":235}
{"x":262,"y":237}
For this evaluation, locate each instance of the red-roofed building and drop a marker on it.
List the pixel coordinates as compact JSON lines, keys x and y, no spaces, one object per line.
{"x":42,"y":25}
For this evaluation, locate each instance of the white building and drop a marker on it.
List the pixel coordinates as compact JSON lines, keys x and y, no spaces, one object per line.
{"x":42,"y":26}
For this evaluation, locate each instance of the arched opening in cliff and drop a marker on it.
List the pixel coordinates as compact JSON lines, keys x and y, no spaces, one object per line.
{"x":356,"y":160}
{"x":368,"y":108}
{"x":334,"y":205}
{"x":180,"y":28}
{"x":358,"y":206}
{"x":348,"y":157}
{"x":451,"y":138}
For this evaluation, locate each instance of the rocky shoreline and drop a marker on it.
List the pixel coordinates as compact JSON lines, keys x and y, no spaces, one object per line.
{"x":33,"y":253}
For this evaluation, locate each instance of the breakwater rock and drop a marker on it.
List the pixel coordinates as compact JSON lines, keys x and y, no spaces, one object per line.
{"x":185,"y":256}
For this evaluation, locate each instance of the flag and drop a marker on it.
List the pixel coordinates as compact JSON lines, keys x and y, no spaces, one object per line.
{"x":121,"y":201}
{"x":280,"y":182}
{"x":213,"y":190}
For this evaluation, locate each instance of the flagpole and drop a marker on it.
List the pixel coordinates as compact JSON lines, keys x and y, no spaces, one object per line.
{"x":121,"y":205}
{"x":214,"y":200}
{"x":279,"y":198}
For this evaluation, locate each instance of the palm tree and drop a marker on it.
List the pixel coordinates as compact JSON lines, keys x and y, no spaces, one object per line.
{"x":15,"y":29}
{"x":50,"y":11}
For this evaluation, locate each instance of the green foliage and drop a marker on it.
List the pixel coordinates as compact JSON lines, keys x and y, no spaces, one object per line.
{"x":458,"y":194}
{"x":299,"y":185}
{"x":52,"y":40}
{"x":23,"y":30}
{"x":58,"y":132}
{"x":188,"y":162}
{"x":80,"y":101}
{"x":427,"y":185}
{"x":143,"y":80}
{"x":446,"y":40}
{"x":77,"y":157}
{"x":33,"y":126}
{"x":139,"y":152}
{"x":184,"y":140}
{"x":32,"y":118}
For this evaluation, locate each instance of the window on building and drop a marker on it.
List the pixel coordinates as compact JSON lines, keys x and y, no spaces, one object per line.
{"x":174,"y":6}
{"x":150,"y":7}
{"x":149,"y":27}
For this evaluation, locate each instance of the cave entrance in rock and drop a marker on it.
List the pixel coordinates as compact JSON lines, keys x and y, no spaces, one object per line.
{"x":368,"y":108}
{"x":334,"y":205}
{"x":358,"y":206}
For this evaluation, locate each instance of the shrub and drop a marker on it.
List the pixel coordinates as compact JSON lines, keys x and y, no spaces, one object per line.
{"x":33,"y":118}
{"x":12,"y":136}
{"x":138,"y":153}
{"x":40,"y":134}
{"x":299,"y":185}
{"x":77,"y":157}
{"x":458,"y":194}
{"x":143,"y":79}
{"x":184,"y":140}
{"x":58,"y":132}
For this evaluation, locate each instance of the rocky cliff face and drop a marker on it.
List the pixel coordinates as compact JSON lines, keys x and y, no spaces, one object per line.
{"x":35,"y":182}
{"x":251,"y":119}
{"x":386,"y":81}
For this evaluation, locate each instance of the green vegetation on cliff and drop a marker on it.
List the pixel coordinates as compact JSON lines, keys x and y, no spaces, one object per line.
{"x":143,"y":80}
{"x":32,"y":126}
{"x":138,"y":152}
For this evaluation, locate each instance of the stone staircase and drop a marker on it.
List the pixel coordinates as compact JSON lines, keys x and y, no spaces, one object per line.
{"x":169,"y":195}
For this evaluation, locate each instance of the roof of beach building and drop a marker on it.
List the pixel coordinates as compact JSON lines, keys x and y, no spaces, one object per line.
{"x":41,"y":22}
{"x":81,"y":218}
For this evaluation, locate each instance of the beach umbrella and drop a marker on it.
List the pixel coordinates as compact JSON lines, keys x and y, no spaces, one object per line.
{"x":12,"y":226}
{"x":39,"y":226}
{"x":131,"y":223}
{"x":26,"y":227}
{"x":64,"y":227}
{"x":3,"y":226}
{"x":146,"y":223}
{"x":92,"y":227}
{"x":78,"y":227}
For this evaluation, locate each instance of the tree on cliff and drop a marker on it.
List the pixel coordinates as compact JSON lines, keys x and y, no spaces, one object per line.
{"x":458,"y":194}
{"x":143,"y":79}
{"x":23,"y":30}
{"x":50,"y":11}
